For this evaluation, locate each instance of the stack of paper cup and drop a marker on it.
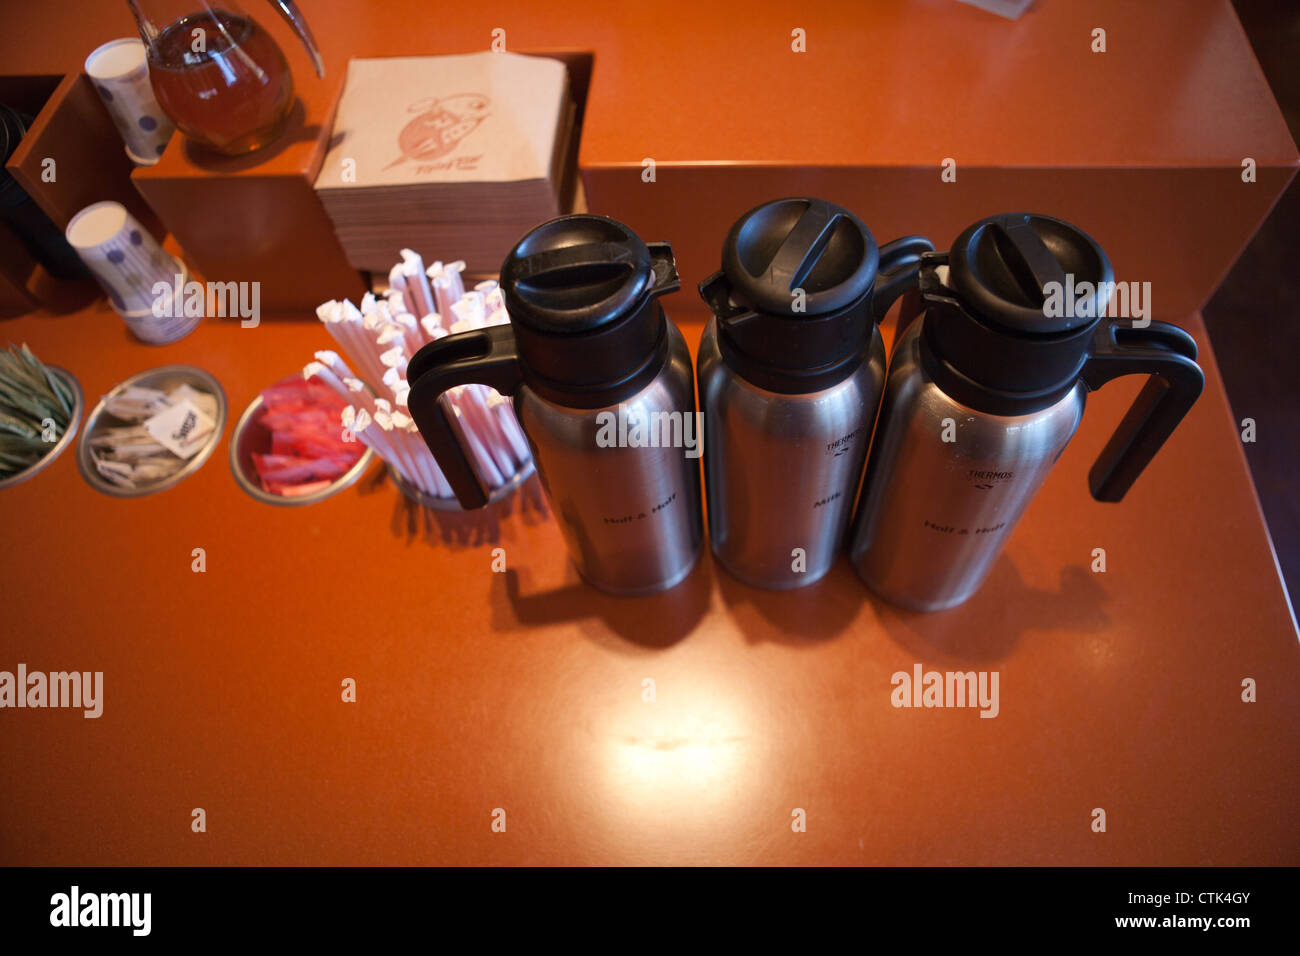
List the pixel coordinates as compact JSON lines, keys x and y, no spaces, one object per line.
{"x":121,"y":75}
{"x":141,"y":279}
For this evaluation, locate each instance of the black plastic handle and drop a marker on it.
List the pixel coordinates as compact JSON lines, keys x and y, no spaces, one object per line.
{"x":1168,"y":355}
{"x":900,"y":264}
{"x":478,"y":357}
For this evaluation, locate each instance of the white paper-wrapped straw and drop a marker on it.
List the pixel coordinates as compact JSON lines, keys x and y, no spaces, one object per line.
{"x":331,"y":311}
{"x":337,"y":319}
{"x":417,"y":281}
{"x":411,"y":330}
{"x":442,"y":294}
{"x":432,"y":480}
{"x":493,"y":300}
{"x":317,"y":370}
{"x":485,"y":425}
{"x":397,"y":386}
{"x":482,"y":457}
{"x":404,"y":450}
{"x":431,"y":323}
{"x":397,"y":304}
{"x":394,"y":358}
{"x":503,"y":411}
{"x":452,"y":271}
{"x":359,"y":394}
{"x":334,"y":362}
{"x":470,"y":310}
{"x":359,"y":424}
{"x":435,"y":482}
{"x":363,"y":426}
{"x":397,"y":281}
{"x":351,"y":334}
{"x":373,"y":318}
{"x":351,"y":340}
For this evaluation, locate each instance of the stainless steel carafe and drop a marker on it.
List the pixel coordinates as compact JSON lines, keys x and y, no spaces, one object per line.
{"x":602,"y":386}
{"x":790,"y":373}
{"x":985,"y":391}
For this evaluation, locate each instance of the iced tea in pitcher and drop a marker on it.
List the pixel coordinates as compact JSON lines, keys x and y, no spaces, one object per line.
{"x":219,"y":76}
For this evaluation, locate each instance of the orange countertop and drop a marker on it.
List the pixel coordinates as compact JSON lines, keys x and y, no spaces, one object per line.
{"x":922,"y":77}
{"x":523,"y":690}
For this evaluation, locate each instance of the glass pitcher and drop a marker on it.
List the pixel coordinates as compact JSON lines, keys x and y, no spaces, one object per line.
{"x":216,"y":73}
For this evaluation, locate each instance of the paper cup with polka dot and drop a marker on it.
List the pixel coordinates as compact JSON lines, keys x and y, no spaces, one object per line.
{"x":120,"y":73}
{"x":144,"y":283}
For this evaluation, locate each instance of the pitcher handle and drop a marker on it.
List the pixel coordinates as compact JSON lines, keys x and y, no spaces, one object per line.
{"x":293,"y":16}
{"x":478,"y":357}
{"x":1167,"y":354}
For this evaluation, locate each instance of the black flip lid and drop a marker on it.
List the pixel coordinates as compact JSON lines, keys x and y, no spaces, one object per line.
{"x":582,"y":295}
{"x":807,"y":244}
{"x":991,"y":322}
{"x":772,"y":335}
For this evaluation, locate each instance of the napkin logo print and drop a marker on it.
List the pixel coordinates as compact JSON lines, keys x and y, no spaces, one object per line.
{"x":439,"y":128}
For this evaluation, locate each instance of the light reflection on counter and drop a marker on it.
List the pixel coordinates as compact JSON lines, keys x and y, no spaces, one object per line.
{"x":662,"y":770}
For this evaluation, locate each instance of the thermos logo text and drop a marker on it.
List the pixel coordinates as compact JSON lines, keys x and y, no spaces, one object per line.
{"x":985,"y":480}
{"x":634,"y":428}
{"x":946,"y":689}
{"x":1124,"y":300}
{"x":842,"y":445}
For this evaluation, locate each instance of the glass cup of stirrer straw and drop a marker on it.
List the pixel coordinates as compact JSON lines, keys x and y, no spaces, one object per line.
{"x":380,"y":337}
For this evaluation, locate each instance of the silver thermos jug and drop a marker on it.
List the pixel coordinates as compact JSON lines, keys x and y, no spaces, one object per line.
{"x":790,"y":368}
{"x":986,"y":389}
{"x":602,"y":385}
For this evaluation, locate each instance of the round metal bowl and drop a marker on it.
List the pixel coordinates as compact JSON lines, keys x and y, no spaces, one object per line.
{"x":78,"y":406}
{"x":251,"y":436}
{"x":164,"y":378}
{"x":451,"y":504}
